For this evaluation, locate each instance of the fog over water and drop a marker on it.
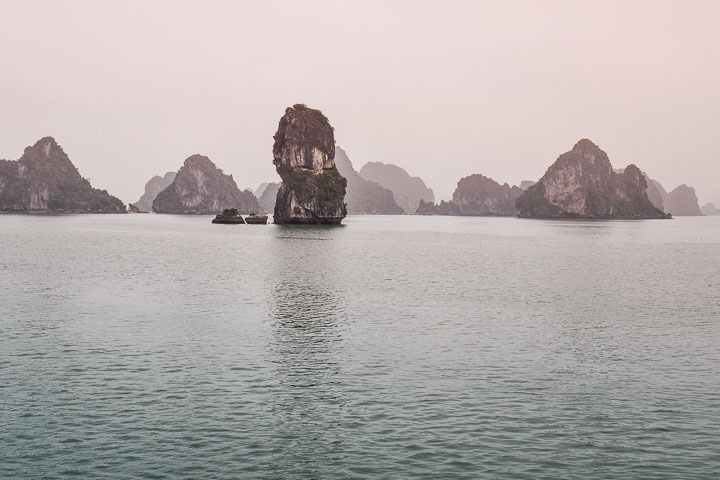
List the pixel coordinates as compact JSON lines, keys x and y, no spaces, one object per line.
{"x":443,"y":89}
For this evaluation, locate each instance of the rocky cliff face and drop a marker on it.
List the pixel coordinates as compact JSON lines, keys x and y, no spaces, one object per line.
{"x":312,"y":189}
{"x":525,"y":184}
{"x":201,"y":188}
{"x":407,"y":191}
{"x":44,"y":179}
{"x":682,"y":202}
{"x":152,"y":188}
{"x":363,"y":196}
{"x":582,"y":184}
{"x":478,"y":195}
{"x":710,"y":209}
{"x":656,"y":193}
{"x":268,"y":196}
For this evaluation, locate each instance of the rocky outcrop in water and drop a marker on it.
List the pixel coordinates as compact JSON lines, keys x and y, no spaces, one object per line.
{"x":152,"y":188}
{"x":267,"y":198}
{"x":476,"y":195}
{"x":312,"y":189}
{"x":201,"y":188}
{"x":682,"y":202}
{"x":229,"y":216}
{"x":364,"y":197}
{"x":710,"y":209}
{"x":407,"y":191}
{"x":582,"y":184}
{"x":45,"y":180}
{"x":442,"y":208}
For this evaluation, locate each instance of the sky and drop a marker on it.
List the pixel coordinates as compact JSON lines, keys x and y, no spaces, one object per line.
{"x":443,"y":89}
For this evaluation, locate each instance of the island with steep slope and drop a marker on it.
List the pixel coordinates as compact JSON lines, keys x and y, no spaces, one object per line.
{"x":152,"y":188}
{"x":200,"y":187}
{"x":45,"y":180}
{"x":312,"y":189}
{"x":682,"y":201}
{"x":582,"y":184}
{"x":407,"y":191}
{"x":477,"y":196}
{"x":364,"y":197}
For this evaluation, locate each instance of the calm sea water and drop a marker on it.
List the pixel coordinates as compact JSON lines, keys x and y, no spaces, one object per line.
{"x":152,"y":346}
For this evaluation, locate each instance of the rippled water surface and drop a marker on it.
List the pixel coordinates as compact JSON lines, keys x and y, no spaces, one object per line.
{"x":152,"y":346}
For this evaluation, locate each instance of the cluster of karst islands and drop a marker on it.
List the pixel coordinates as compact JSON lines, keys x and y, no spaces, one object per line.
{"x":319,"y":185}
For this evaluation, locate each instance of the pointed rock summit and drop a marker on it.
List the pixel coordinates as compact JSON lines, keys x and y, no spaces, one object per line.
{"x":45,"y":180}
{"x":312,"y":189}
{"x":200,"y":187}
{"x":152,"y":188}
{"x":582,"y":184}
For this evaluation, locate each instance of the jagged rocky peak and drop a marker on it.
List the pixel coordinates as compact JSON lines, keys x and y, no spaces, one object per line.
{"x":200,"y":187}
{"x":525,"y":184}
{"x":407,"y":191}
{"x":683,"y":201}
{"x":364,"y":197}
{"x":44,"y":179}
{"x":582,"y":184}
{"x":312,"y":189}
{"x":152,"y":188}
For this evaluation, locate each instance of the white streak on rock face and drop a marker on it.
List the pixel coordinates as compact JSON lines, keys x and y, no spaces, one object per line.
{"x":47,"y":148}
{"x":39,"y":196}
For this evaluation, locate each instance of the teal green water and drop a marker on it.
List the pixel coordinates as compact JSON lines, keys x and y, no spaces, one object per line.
{"x":151,"y":346}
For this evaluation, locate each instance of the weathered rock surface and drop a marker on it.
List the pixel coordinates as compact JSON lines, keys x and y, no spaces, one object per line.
{"x":201,"y":188}
{"x":312,"y":189}
{"x":364,"y":197}
{"x":256,"y":219}
{"x":710,"y":209}
{"x":268,"y":196}
{"x":478,"y":195}
{"x":582,"y":184}
{"x":44,"y":179}
{"x":152,"y":188}
{"x":407,"y":191}
{"x":682,"y":202}
{"x":229,"y":216}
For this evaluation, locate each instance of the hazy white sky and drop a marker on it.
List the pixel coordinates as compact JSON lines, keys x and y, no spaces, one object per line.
{"x":444,"y":89}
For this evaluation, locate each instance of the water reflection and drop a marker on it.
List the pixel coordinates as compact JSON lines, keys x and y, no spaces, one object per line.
{"x":308,"y":316}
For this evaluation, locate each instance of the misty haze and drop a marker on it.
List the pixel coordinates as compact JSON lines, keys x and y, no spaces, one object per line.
{"x":463,"y":239}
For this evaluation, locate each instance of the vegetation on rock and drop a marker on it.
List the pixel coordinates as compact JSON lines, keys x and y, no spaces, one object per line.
{"x":44,"y":179}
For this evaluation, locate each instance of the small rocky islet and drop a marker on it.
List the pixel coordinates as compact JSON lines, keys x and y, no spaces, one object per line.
{"x":201,"y":188}
{"x":44,"y":180}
